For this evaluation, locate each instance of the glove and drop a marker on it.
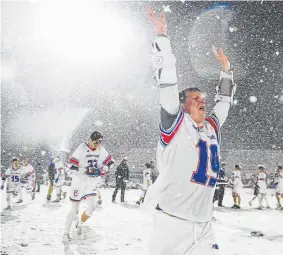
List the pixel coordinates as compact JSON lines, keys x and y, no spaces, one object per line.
{"x":93,"y":171}
{"x":56,"y":180}
{"x":2,"y":187}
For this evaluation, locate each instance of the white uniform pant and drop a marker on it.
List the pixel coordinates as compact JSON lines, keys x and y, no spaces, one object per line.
{"x":174,"y":236}
{"x":14,"y":189}
{"x":83,"y":187}
{"x":58,"y":185}
{"x":74,"y":210}
{"x":261,"y":197}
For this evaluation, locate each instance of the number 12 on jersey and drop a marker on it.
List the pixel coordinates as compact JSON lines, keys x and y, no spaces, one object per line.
{"x":200,"y":175}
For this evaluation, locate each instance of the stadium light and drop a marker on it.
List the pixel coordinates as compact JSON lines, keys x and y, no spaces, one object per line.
{"x":81,"y":31}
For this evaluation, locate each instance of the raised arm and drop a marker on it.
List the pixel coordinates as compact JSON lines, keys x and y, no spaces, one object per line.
{"x":163,"y":61}
{"x":225,"y":91}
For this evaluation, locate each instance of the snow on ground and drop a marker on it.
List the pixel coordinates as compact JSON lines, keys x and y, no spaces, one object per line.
{"x":125,"y":230}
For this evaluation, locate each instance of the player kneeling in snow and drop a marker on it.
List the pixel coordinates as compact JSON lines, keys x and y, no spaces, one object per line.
{"x":261,"y":182}
{"x":89,"y":162}
{"x":147,"y":181}
{"x":13,"y":175}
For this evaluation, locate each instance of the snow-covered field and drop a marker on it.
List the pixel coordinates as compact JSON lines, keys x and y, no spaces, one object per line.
{"x":125,"y":230}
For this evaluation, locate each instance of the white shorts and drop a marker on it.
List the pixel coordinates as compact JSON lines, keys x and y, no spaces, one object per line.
{"x":82,"y":187}
{"x":172,"y":236}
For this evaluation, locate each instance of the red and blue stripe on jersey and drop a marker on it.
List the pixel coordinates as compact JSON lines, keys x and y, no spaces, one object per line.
{"x":213,"y":121}
{"x":167,"y":135}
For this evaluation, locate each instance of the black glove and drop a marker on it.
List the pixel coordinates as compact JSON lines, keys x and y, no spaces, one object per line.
{"x":2,"y":187}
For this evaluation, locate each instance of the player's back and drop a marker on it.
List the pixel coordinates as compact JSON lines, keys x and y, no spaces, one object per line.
{"x":188,"y":168}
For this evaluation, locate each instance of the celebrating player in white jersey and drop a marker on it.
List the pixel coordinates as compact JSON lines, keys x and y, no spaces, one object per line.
{"x":279,"y":188}
{"x":261,"y":182}
{"x":187,"y":154}
{"x":13,"y":175}
{"x":89,"y":162}
{"x":237,"y":187}
{"x":28,"y":168}
{"x":147,"y":181}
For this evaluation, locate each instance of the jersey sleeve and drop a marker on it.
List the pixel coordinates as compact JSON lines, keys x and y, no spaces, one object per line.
{"x":74,"y":159}
{"x":171,"y":115}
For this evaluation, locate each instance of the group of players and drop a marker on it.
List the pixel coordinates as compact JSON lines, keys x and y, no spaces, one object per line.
{"x":260,"y":186}
{"x":17,"y":175}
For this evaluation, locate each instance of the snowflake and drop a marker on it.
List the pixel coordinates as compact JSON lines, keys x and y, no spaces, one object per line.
{"x":166,"y":8}
{"x":277,"y":53}
{"x":98,"y":123}
{"x":253,"y":99}
{"x":261,"y":80}
{"x":235,"y":102}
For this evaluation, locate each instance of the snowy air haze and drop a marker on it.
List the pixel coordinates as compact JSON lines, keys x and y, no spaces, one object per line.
{"x":69,"y":68}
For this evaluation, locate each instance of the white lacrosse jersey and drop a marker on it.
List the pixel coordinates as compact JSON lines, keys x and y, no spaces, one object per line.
{"x":261,"y":179}
{"x":30,"y":171}
{"x":84,"y":157}
{"x":147,"y":178}
{"x":14,"y":177}
{"x":187,"y":154}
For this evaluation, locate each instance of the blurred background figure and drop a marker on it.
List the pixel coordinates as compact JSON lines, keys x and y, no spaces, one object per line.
{"x":261,"y":182}
{"x":31,"y":176}
{"x":39,"y":176}
{"x":122,"y":177}
{"x":147,"y":181}
{"x":51,"y":176}
{"x":237,"y":187}
{"x":220,"y":185}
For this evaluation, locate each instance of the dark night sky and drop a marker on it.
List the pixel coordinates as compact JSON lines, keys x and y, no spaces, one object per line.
{"x":124,"y":95}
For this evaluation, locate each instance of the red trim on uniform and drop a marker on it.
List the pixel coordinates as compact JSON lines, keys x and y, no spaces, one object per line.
{"x":261,"y":179}
{"x":212,"y":123}
{"x":107,"y":160}
{"x":74,"y":161}
{"x":166,"y":138}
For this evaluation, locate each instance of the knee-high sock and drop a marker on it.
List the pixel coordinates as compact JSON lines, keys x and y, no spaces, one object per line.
{"x":74,"y":209}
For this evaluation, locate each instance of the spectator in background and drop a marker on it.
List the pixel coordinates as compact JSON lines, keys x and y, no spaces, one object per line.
{"x":153,"y":174}
{"x":39,"y":176}
{"x":51,"y":175}
{"x":220,"y":185}
{"x":122,"y":177}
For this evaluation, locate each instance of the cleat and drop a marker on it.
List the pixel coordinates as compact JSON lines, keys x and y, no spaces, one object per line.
{"x":250,"y":204}
{"x":20,"y":201}
{"x":138,"y":202}
{"x":66,"y":238}
{"x":8,"y":207}
{"x":32,"y":196}
{"x":99,"y":202}
{"x":259,"y":208}
{"x":56,"y":200}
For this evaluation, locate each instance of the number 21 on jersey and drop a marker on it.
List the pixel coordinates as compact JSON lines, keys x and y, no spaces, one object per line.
{"x":200,"y":175}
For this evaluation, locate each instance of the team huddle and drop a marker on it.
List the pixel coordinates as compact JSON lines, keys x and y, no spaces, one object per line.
{"x":189,"y":145}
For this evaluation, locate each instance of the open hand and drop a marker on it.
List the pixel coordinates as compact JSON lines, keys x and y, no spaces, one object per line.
{"x":221,"y":58}
{"x":158,"y":20}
